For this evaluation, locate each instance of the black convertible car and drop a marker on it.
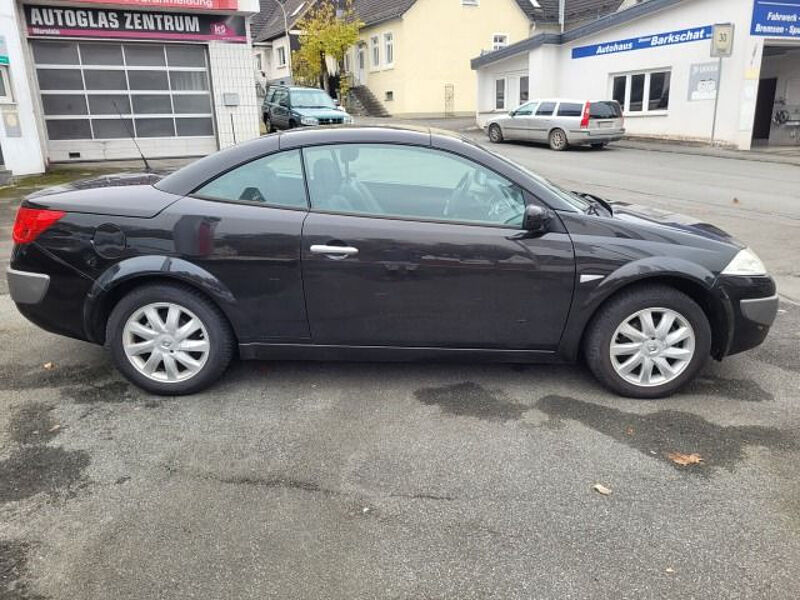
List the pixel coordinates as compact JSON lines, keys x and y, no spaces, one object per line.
{"x":380,"y":244}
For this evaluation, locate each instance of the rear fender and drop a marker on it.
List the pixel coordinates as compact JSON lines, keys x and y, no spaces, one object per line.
{"x":105,"y":290}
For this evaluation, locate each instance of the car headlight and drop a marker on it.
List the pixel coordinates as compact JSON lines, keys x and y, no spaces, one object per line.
{"x":347,"y":120}
{"x":746,"y":262}
{"x":309,"y":120}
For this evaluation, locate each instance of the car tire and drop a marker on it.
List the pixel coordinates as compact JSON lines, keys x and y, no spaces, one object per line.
{"x":495,"y":134}
{"x":195,"y":362}
{"x":599,"y":145}
{"x":671,"y":355}
{"x":292,"y":125}
{"x":268,"y":124}
{"x":558,"y":140}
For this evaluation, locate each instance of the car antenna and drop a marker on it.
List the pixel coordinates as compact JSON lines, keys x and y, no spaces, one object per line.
{"x":133,"y":139}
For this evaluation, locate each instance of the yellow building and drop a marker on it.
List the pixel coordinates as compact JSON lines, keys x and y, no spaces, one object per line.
{"x":413,"y":55}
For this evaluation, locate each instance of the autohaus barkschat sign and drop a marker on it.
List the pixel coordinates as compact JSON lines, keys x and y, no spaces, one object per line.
{"x":57,"y":21}
{"x":657,"y":40}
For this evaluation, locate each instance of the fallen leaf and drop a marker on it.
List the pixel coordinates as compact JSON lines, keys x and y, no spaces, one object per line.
{"x":629,"y":430}
{"x":49,"y":366}
{"x":670,"y":570}
{"x":601,"y":489}
{"x":54,"y":428}
{"x":736,"y":201}
{"x":685,"y":460}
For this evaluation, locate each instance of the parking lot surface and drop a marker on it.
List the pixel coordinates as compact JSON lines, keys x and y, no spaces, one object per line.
{"x":354,"y":480}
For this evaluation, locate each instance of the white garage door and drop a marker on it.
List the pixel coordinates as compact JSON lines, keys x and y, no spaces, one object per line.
{"x":97,"y":95}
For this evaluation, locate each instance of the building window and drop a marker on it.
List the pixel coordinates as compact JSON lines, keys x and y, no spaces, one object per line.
{"x":500,"y":94}
{"x":5,"y":86}
{"x":376,"y":51}
{"x":388,"y":48}
{"x":389,"y":96}
{"x":347,"y":62}
{"x":499,"y":40}
{"x":642,"y":92}
{"x":524,"y":92}
{"x":281,"y":56}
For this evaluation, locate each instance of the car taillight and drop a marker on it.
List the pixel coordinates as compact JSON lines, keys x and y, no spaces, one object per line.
{"x":586,"y":111}
{"x":31,"y":222}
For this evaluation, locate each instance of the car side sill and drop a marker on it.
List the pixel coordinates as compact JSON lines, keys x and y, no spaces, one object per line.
{"x":261,"y":351}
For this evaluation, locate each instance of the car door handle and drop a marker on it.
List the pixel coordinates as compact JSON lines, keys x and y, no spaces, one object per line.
{"x":339,"y":251}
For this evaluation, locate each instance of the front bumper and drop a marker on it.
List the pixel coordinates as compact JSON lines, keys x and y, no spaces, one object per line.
{"x":26,"y":287}
{"x":752,"y":305}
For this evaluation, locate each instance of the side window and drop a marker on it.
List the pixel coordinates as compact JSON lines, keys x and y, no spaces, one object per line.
{"x":546,"y":109}
{"x":570,"y":109}
{"x":409,"y":182}
{"x":275,"y":180}
{"x":526,"y":109}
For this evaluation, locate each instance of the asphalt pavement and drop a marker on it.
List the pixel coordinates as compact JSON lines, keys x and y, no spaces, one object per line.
{"x":357,"y":480}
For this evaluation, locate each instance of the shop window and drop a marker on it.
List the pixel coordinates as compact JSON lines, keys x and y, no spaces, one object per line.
{"x":112,"y":128}
{"x":194,"y":126}
{"x":55,"y":53}
{"x":64,"y":104}
{"x":500,"y":94}
{"x":97,"y":79}
{"x":59,"y":79}
{"x":144,"y":55}
{"x":69,"y":129}
{"x":155,"y":128}
{"x":151,"y":104}
{"x":659,"y":91}
{"x":5,"y":86}
{"x":148,"y":80}
{"x":637,"y":93}
{"x":192,"y":104}
{"x":187,"y":56}
{"x":109,"y":104}
{"x":499,"y":40}
{"x":644,"y":92}
{"x":524,"y":91}
{"x":188,"y":80}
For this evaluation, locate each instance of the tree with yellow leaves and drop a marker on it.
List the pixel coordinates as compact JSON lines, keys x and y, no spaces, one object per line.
{"x":324,"y":31}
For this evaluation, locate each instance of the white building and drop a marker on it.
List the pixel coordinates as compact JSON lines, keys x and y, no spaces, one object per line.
{"x":655,"y":59}
{"x":84,"y":77}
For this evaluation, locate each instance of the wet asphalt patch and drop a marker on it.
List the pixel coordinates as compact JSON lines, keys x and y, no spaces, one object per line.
{"x":27,"y":377}
{"x":110,"y":392}
{"x":33,"y":424}
{"x":31,"y":470}
{"x":13,"y":570}
{"x":661,"y":433}
{"x":469,"y":399}
{"x":743,"y":390}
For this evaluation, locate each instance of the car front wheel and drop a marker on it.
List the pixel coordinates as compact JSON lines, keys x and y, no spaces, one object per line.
{"x":495,"y":134}
{"x":169,"y":339}
{"x":648,"y":342}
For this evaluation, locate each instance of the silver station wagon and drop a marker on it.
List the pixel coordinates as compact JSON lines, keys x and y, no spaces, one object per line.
{"x":561,"y":123}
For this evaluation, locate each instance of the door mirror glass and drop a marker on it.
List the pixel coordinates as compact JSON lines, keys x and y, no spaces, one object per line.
{"x":536,"y":219}
{"x":512,"y":113}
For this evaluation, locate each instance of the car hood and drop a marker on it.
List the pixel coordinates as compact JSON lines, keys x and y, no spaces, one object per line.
{"x":321,"y":113}
{"x":120,"y":194}
{"x":646,"y":215}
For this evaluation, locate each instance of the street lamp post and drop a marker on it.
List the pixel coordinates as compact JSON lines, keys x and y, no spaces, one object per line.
{"x":288,"y":36}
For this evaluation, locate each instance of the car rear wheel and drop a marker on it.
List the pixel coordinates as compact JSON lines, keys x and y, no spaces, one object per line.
{"x":495,"y":134}
{"x":558,"y":140}
{"x":169,"y":339}
{"x":648,"y":342}
{"x":599,"y":145}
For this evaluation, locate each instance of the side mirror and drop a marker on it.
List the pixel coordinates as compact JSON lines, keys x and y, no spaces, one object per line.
{"x":536,"y":219}
{"x":512,"y":113}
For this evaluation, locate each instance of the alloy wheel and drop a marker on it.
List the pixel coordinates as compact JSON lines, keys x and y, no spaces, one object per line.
{"x":166,"y":342}
{"x":652,"y":347}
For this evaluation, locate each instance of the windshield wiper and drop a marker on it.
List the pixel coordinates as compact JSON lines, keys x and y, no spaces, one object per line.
{"x":595,"y":202}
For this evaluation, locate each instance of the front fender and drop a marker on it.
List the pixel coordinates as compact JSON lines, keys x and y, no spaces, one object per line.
{"x":589,"y":296}
{"x":168,"y":268}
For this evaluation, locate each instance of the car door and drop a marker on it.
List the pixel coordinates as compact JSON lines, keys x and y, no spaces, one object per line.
{"x":542,"y":120}
{"x":280,"y":109}
{"x":416,"y":247}
{"x":518,"y":125}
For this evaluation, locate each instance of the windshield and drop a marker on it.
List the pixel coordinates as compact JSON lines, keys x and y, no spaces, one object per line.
{"x":311,"y":99}
{"x":573,"y":200}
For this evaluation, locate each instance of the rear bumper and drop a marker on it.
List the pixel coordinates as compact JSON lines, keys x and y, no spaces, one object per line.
{"x":595,"y":136}
{"x":26,"y":287}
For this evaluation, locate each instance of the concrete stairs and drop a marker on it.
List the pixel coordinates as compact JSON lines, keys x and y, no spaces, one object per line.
{"x":362,"y":102}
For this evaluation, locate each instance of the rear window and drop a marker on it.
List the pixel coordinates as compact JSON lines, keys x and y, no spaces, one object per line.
{"x":570,"y":109}
{"x":605,"y":110}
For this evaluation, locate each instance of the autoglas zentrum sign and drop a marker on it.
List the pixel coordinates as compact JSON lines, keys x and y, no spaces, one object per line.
{"x":61,"y":21}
